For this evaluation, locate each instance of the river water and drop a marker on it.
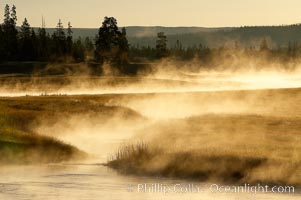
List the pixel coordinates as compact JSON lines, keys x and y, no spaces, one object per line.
{"x":91,"y":180}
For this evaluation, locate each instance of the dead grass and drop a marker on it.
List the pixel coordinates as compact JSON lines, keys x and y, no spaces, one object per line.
{"x":261,"y":143}
{"x":225,"y":148}
{"x":19,"y":143}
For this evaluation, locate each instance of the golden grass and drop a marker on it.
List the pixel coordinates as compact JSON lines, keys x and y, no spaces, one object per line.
{"x":226,"y":148}
{"x":19,"y":144}
{"x":19,"y":116}
{"x":259,"y":142}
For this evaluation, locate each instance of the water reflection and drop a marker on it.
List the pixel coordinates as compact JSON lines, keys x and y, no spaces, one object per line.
{"x":93,"y":181}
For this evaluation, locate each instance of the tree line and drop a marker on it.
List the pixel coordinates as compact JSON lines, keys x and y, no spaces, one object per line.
{"x":111,"y":46}
{"x":25,"y":44}
{"x":263,"y":52}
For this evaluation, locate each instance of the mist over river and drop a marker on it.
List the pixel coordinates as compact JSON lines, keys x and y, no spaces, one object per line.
{"x":148,"y":101}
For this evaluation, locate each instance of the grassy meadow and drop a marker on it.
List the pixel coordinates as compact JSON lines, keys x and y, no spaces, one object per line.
{"x":233,"y":137}
{"x":20,"y":144}
{"x":223,"y":148}
{"x":20,"y":116}
{"x":228,"y":136}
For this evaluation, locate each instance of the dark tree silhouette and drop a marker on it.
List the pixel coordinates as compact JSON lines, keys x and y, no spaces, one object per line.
{"x":26,"y":43}
{"x":161,"y":45}
{"x":59,"y":40}
{"x":107,"y":40}
{"x":34,"y":43}
{"x":111,"y":44}
{"x":10,"y":33}
{"x":60,"y":33}
{"x":264,"y":45}
{"x":14,"y":16}
{"x":89,"y":46}
{"x":25,"y":29}
{"x":78,"y":51}
{"x":43,"y":44}
{"x":69,"y":39}
{"x":6,"y":15}
{"x":2,"y":48}
{"x":122,"y":57}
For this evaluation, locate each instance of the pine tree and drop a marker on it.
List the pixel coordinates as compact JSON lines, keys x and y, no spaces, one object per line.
{"x":43,"y":43}
{"x":34,"y":43}
{"x":25,"y":29}
{"x":59,"y":41}
{"x":27,"y":42}
{"x":111,"y":43}
{"x":107,"y":40}
{"x":6,"y":15}
{"x":69,"y":30}
{"x":78,"y":51}
{"x":161,"y":45}
{"x":2,"y":49}
{"x":14,"y":16}
{"x":89,"y":46}
{"x":123,"y":49}
{"x":42,"y":48}
{"x":69,"y":39}
{"x":60,"y":33}
{"x":10,"y":33}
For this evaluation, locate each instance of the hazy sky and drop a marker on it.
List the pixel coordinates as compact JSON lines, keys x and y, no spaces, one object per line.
{"x":205,"y":13}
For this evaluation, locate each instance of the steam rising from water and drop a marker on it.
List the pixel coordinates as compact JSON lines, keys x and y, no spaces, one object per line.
{"x":156,"y":83}
{"x":170,"y":99}
{"x":145,"y":115}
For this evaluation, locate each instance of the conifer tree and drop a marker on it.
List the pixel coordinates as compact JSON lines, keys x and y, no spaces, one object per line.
{"x":10,"y":33}
{"x":161,"y":45}
{"x":111,"y":42}
{"x":26,"y":44}
{"x":69,"y":39}
{"x":2,"y":49}
{"x":59,"y":41}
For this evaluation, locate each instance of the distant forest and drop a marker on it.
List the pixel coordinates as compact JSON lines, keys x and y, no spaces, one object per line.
{"x":26,"y":44}
{"x":211,"y":37}
{"x":122,"y":46}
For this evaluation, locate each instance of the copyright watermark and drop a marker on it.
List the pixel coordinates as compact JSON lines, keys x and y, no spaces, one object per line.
{"x":185,"y":188}
{"x":254,"y":189}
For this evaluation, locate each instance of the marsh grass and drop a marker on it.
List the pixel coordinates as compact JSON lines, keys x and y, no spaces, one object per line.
{"x":260,"y":144}
{"x":129,"y":157}
{"x":223,"y":148}
{"x":22,"y":142}
{"x":19,"y":144}
{"x":143,"y":159}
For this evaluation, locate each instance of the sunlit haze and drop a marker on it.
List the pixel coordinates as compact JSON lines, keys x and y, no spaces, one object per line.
{"x":204,"y":13}
{"x":178,"y":99}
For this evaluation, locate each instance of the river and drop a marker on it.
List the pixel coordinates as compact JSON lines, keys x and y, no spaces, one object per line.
{"x":91,"y":180}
